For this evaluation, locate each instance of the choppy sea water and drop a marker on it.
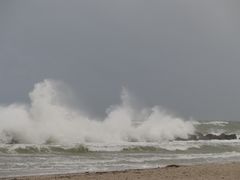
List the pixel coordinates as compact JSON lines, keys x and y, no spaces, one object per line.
{"x":31,"y":159}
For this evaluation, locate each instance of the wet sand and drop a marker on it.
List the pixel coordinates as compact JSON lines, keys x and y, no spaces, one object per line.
{"x":229,"y":171}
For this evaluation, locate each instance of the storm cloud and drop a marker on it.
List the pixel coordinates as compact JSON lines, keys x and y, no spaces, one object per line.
{"x":183,"y":55}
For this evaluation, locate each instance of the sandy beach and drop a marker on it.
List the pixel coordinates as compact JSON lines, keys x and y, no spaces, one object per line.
{"x":229,"y":171}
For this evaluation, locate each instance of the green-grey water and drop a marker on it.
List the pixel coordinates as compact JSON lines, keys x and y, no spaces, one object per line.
{"x":28,"y":159}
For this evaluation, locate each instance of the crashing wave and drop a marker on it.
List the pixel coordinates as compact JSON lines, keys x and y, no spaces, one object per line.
{"x":50,"y":119}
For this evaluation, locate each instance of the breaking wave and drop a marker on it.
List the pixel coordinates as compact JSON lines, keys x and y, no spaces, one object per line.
{"x":219,"y":123}
{"x":42,"y":149}
{"x":50,"y":119}
{"x":200,"y":148}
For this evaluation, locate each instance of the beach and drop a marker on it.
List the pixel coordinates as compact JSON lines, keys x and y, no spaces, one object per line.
{"x":214,"y":171}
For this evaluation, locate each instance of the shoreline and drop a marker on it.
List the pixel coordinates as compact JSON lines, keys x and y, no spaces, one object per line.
{"x":213,"y":171}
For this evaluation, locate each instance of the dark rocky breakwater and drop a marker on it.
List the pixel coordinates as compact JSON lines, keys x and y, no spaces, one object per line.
{"x":200,"y":136}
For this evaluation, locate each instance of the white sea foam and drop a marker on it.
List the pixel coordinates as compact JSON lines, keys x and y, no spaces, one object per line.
{"x":49,"y":118}
{"x":219,"y":123}
{"x":223,"y":155}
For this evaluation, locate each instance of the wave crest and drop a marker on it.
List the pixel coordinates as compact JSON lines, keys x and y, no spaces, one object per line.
{"x":49,"y":119}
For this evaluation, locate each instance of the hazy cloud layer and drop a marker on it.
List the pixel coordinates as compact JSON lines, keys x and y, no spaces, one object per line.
{"x":183,"y":55}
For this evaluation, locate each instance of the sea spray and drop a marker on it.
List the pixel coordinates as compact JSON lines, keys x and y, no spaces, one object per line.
{"x":49,"y":118}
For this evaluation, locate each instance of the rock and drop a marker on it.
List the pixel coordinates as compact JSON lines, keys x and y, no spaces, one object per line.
{"x":227,"y":137}
{"x":222,"y":136}
{"x":192,"y":137}
{"x":210,"y":137}
{"x":180,"y":139}
{"x":200,"y":136}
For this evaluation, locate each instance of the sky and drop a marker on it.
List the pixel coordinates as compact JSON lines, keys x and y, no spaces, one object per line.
{"x":183,"y":55}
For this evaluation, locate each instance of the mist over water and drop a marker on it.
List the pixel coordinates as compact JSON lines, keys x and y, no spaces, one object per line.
{"x":50,"y":118}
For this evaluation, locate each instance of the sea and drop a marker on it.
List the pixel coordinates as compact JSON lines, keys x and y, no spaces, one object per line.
{"x":37,"y":159}
{"x":51,"y":135}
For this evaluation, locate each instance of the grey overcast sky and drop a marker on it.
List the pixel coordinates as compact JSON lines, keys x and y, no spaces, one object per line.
{"x":181,"y":54}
